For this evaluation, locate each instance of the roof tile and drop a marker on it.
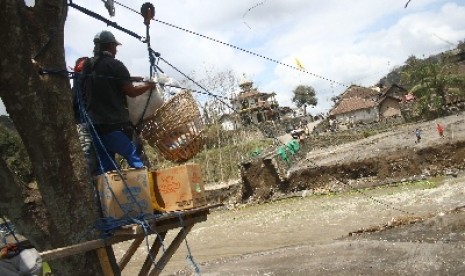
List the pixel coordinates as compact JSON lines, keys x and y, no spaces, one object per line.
{"x":352,"y":104}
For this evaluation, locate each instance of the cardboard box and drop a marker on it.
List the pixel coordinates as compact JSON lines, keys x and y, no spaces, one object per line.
{"x":133,"y":187}
{"x":179,"y":188}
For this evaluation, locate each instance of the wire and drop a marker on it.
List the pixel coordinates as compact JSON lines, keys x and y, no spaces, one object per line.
{"x":239,"y":48}
{"x":219,"y":98}
{"x":248,"y":10}
{"x":126,"y":7}
{"x":253,"y":53}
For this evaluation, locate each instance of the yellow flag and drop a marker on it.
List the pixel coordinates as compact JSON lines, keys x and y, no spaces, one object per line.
{"x":299,"y":65}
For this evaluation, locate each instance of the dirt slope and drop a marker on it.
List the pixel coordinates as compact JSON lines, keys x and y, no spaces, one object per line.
{"x":387,"y":157}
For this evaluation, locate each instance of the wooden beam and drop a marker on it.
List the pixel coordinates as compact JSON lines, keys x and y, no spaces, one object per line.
{"x":94,"y":244}
{"x":170,"y":250}
{"x":107,"y":268}
{"x":167,"y":218}
{"x":157,"y":243}
{"x":72,"y":250}
{"x":131,"y":250}
{"x":112,"y":259}
{"x":137,"y":230}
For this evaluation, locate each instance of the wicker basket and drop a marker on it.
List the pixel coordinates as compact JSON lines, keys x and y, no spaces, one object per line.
{"x":175,"y":129}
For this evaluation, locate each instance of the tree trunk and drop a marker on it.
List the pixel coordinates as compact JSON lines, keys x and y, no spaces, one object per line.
{"x":59,"y":209}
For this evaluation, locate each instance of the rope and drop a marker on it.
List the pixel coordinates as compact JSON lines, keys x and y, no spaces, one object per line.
{"x":74,"y":75}
{"x":271,"y":132}
{"x":9,"y":228}
{"x":107,"y":225}
{"x":99,"y":17}
{"x":152,"y":258}
{"x":266,"y":132}
{"x":189,"y":257}
{"x":148,"y":12}
{"x":97,"y":136}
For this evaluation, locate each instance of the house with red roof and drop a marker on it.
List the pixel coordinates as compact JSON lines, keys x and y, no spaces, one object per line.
{"x":365,"y":105}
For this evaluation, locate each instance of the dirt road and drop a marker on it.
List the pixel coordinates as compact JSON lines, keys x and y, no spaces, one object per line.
{"x":309,"y":235}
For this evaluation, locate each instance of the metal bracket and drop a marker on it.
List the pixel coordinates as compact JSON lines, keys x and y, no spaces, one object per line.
{"x":109,"y":4}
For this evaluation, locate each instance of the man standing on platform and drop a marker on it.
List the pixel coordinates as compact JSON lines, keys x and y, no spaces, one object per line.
{"x":105,"y":99}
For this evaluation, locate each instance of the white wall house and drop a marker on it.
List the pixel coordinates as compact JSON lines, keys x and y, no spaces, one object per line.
{"x":355,"y":110}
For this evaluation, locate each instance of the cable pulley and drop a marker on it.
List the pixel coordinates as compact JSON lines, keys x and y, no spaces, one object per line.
{"x":148,"y":12}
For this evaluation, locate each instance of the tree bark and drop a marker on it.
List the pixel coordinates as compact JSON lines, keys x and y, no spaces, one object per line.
{"x":60,"y":209}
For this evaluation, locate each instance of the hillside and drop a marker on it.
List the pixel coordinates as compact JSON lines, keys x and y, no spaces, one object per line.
{"x":388,"y":157}
{"x":456,"y":56}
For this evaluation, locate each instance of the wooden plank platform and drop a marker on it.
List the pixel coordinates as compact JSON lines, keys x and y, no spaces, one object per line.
{"x":184,"y":221}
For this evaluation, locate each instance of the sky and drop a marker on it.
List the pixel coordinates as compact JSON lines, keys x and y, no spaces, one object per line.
{"x":339,"y":43}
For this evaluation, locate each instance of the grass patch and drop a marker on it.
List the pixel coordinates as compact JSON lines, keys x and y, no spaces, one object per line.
{"x":218,"y":164}
{"x":419,"y":184}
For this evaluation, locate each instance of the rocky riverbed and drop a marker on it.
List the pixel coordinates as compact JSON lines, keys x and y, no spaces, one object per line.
{"x":383,"y":205}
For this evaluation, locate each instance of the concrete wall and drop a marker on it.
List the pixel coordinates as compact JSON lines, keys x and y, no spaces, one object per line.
{"x":363,"y":115}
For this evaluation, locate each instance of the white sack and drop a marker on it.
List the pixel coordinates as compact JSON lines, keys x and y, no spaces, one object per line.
{"x":137,"y":104}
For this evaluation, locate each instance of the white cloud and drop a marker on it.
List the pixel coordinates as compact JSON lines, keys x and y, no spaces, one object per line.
{"x":346,"y":41}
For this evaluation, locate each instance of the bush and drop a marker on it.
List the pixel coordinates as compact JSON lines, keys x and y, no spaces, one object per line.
{"x":13,"y":152}
{"x":367,"y":133}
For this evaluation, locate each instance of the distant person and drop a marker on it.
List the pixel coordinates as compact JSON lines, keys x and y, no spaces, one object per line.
{"x":304,"y":126}
{"x":417,"y":135}
{"x":295,"y":132}
{"x":440,"y":129}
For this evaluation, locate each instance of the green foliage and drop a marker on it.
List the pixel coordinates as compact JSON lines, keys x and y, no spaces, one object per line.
{"x":461,"y":46}
{"x":304,"y":95}
{"x":423,"y":184}
{"x":367,"y":133}
{"x":431,"y":81}
{"x":13,"y":152}
{"x":216,"y":137}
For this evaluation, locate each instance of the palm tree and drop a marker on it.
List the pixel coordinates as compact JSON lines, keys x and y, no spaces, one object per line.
{"x":304,"y":95}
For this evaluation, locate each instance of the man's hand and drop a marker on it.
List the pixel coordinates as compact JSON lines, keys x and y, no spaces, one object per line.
{"x":134,"y":91}
{"x":152,"y":85}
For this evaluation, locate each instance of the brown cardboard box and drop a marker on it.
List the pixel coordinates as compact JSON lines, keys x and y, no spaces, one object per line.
{"x":137,"y":189}
{"x":179,"y":188}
